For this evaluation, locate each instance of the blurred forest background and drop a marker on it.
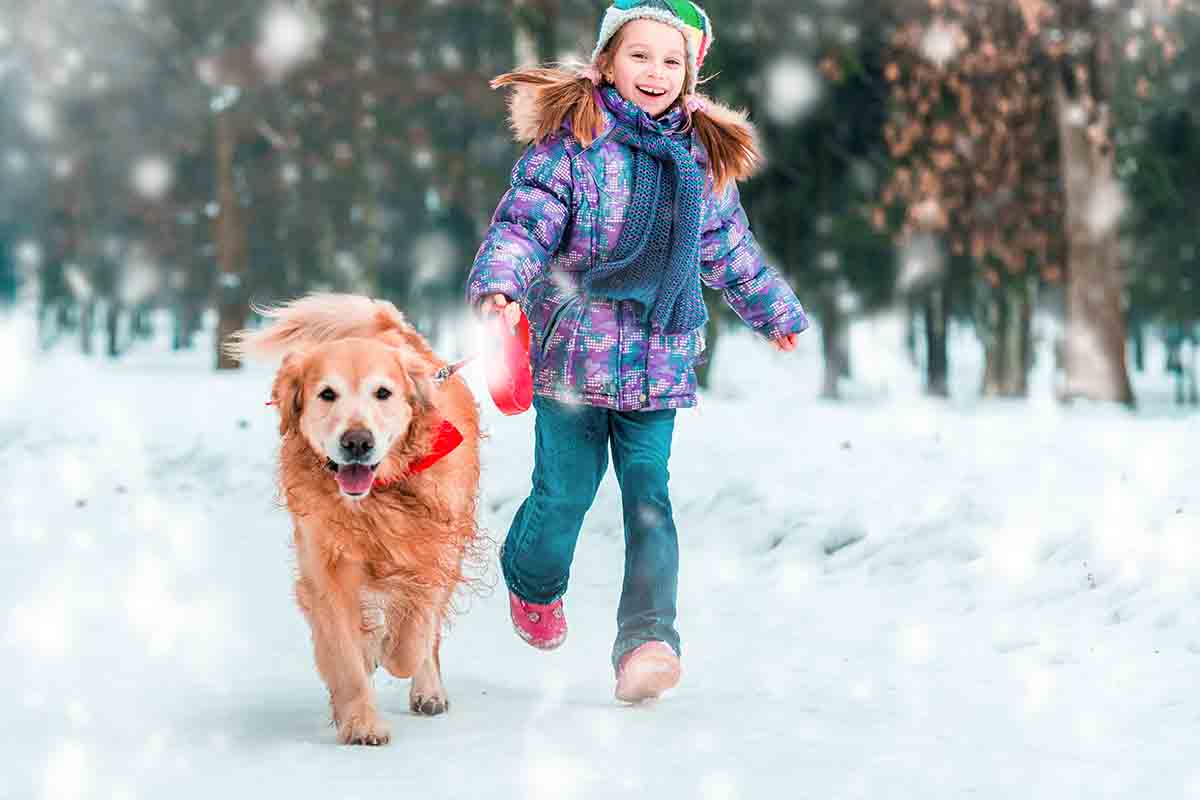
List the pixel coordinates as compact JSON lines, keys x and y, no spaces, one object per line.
{"x":971,"y":163}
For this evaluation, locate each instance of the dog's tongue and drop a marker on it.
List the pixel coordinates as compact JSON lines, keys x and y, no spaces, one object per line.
{"x":355,"y":478}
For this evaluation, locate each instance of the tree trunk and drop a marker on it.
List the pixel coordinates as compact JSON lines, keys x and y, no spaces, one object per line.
{"x":937,"y":364}
{"x":1094,"y":350}
{"x":1009,"y":340}
{"x":231,"y":243}
{"x":1139,"y":347}
{"x":112,"y":328}
{"x":87,"y":318}
{"x":712,"y":332}
{"x":910,"y":336}
{"x":1193,"y":377}
{"x":834,"y":347}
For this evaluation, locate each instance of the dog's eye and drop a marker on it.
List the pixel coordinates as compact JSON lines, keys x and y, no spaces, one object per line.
{"x":328,"y":395}
{"x":383,"y":393}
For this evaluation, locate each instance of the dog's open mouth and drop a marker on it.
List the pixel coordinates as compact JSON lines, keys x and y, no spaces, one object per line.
{"x":353,"y":479}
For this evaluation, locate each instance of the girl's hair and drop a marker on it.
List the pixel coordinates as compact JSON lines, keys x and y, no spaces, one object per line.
{"x":559,"y":93}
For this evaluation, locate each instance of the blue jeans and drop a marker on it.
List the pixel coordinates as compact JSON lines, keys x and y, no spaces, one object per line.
{"x":570,"y":458}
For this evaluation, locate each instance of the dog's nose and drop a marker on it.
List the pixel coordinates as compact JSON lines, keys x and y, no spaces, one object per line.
{"x":357,"y":443}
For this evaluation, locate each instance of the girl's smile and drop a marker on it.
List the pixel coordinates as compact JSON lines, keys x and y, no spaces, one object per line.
{"x":648,"y":65}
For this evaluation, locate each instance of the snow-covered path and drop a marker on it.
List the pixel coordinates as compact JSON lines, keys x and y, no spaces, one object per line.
{"x":878,"y":600}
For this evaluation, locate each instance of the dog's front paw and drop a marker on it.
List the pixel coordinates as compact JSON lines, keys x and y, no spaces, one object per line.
{"x":429,"y":705}
{"x":364,"y":727}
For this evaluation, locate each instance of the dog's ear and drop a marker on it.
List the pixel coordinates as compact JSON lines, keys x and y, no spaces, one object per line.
{"x":420,"y":382}
{"x":287,"y":393}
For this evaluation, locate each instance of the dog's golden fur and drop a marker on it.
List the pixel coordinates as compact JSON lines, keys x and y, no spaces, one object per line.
{"x":377,"y":572}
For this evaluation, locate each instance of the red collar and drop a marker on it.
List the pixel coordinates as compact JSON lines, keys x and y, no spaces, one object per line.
{"x":445,"y":442}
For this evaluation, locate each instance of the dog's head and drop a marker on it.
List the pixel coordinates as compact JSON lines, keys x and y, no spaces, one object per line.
{"x":352,"y":400}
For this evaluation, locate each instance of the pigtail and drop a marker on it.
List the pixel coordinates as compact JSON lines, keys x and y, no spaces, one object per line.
{"x":546,"y":98}
{"x":728,"y":137}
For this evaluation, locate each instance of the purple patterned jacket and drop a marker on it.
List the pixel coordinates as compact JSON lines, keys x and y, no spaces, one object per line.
{"x":562,"y":215}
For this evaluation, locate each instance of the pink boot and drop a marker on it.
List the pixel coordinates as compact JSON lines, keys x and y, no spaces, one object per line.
{"x":544,"y":627}
{"x":647,"y":671}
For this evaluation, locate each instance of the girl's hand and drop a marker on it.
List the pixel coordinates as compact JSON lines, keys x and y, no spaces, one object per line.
{"x":786,"y":343}
{"x":499,"y":304}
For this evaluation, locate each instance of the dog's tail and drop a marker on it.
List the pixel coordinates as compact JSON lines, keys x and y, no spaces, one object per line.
{"x":319,"y":318}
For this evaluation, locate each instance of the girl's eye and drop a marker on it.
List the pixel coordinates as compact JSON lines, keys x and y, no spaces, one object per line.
{"x":328,"y":395}
{"x":383,"y":393}
{"x":672,"y":62}
{"x":639,"y":56}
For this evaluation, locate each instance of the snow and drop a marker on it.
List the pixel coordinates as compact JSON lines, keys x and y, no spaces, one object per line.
{"x":29,"y":254}
{"x":152,"y":177}
{"x":289,"y":37}
{"x":40,"y":119}
{"x":886,"y":597}
{"x":942,"y":42}
{"x":1105,"y":205}
{"x":921,"y":262}
{"x":792,"y":89}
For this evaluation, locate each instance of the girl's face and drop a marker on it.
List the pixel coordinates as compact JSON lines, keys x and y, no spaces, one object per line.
{"x":649,"y":65}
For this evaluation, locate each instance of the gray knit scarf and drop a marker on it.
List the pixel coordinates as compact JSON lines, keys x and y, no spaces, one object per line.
{"x":656,"y":261}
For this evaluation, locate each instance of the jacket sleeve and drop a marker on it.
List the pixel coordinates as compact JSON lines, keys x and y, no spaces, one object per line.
{"x":527,"y":226}
{"x":731,"y":261}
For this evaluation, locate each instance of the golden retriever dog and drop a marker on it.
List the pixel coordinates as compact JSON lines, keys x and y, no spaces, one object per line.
{"x":382,"y":525}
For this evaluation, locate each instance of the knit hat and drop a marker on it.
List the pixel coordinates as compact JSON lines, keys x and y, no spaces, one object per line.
{"x":683,"y":15}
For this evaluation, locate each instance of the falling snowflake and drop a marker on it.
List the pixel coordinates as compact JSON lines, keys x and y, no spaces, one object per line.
{"x":29,"y":255}
{"x":78,"y":283}
{"x":348,"y":266}
{"x":792,"y":90}
{"x":921,"y":262}
{"x":1106,"y":204}
{"x":433,"y":258}
{"x":1075,"y":115}
{"x":649,"y":516}
{"x":830,"y":261}
{"x":422,"y":158}
{"x":140,"y":278}
{"x":289,"y":37}
{"x":289,"y":173}
{"x":941,"y":43}
{"x":152,"y":177}
{"x":39,"y":118}
{"x":848,"y":301}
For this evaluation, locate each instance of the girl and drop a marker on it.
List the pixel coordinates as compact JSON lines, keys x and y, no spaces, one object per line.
{"x":624,"y":202}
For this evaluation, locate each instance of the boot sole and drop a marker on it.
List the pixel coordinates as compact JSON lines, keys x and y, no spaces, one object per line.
{"x":540,"y":644}
{"x":647,"y":678}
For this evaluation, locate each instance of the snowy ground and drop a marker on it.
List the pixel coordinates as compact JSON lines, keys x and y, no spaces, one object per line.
{"x":888,"y":598}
